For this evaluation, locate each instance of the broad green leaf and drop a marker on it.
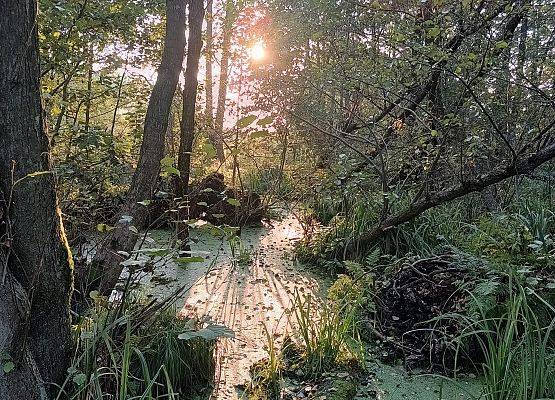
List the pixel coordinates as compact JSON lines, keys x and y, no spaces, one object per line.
{"x":209,"y":150}
{"x":8,"y":367}
{"x":259,"y":134}
{"x":246,"y":121}
{"x":265,"y":121}
{"x":188,"y":260}
{"x":103,"y":228}
{"x":233,"y":202}
{"x":211,"y":332}
{"x":79,"y":379}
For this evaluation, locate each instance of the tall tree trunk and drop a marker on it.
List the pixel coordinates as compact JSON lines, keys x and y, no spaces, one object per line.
{"x":213,"y":136}
{"x":229,"y":20}
{"x":196,"y":13}
{"x":106,"y":264}
{"x":35,"y":261}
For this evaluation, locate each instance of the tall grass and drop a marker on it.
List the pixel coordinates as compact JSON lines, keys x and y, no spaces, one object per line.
{"x":127,"y":352}
{"x":518,"y":347}
{"x":329,"y":334}
{"x":267,"y":373}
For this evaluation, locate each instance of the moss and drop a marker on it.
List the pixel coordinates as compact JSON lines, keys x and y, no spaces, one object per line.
{"x":339,"y":389}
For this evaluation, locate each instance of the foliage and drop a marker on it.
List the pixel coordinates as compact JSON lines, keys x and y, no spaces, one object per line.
{"x":328,"y":335}
{"x":518,"y":346}
{"x":133,"y":350}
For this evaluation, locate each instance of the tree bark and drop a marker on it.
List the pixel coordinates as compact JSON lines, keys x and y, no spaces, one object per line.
{"x":196,"y":14}
{"x":106,"y":264}
{"x":213,"y":136}
{"x":35,"y":261}
{"x":224,"y":73}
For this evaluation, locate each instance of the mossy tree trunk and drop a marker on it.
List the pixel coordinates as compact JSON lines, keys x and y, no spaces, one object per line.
{"x":35,"y":261}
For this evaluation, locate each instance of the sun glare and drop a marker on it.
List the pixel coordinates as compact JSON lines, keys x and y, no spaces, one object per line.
{"x":258,"y":51}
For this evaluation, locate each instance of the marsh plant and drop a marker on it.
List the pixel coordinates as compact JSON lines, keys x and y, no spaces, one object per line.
{"x":328,"y":334}
{"x":518,"y":346}
{"x":134,"y":351}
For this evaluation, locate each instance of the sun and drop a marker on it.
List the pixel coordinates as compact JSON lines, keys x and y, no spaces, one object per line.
{"x":258,"y":51}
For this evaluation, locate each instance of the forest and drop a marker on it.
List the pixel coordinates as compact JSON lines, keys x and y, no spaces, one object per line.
{"x":277,"y":199}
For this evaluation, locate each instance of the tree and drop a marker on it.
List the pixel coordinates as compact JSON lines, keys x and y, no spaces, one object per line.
{"x":121,"y":240}
{"x":227,"y":32}
{"x":414,"y":104}
{"x":215,"y":137}
{"x":35,"y":261}
{"x":196,"y":14}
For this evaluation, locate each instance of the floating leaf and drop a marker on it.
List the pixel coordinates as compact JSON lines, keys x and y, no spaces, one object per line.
{"x":211,"y":332}
{"x":154,"y":252}
{"x":188,"y":260}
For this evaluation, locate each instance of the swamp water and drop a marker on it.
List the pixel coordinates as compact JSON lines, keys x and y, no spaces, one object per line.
{"x":257,"y":294}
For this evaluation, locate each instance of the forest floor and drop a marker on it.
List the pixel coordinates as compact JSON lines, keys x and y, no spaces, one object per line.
{"x":257,"y":294}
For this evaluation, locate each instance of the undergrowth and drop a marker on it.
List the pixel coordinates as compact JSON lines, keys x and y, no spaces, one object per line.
{"x":133,"y":350}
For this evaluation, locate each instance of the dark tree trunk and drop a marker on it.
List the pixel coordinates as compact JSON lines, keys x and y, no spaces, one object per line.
{"x":35,"y":262}
{"x":196,"y":14}
{"x":106,"y":263}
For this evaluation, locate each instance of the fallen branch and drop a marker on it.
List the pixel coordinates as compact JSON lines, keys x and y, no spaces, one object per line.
{"x":524,"y":166}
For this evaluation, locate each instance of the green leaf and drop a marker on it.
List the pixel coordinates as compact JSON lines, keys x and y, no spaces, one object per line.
{"x":154,"y":252}
{"x":103,"y":228}
{"x":265,"y":121}
{"x":188,"y":260}
{"x":259,"y":134}
{"x":233,"y":202}
{"x":80,"y":379}
{"x":501,"y":45}
{"x":167,"y":161}
{"x":209,"y":150}
{"x":172,"y":171}
{"x":145,"y":203}
{"x":8,"y":367}
{"x":246,"y":121}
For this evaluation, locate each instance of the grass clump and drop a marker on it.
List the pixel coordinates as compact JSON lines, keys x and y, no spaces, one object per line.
{"x":518,"y":346}
{"x":132,"y":350}
{"x":328,"y":335}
